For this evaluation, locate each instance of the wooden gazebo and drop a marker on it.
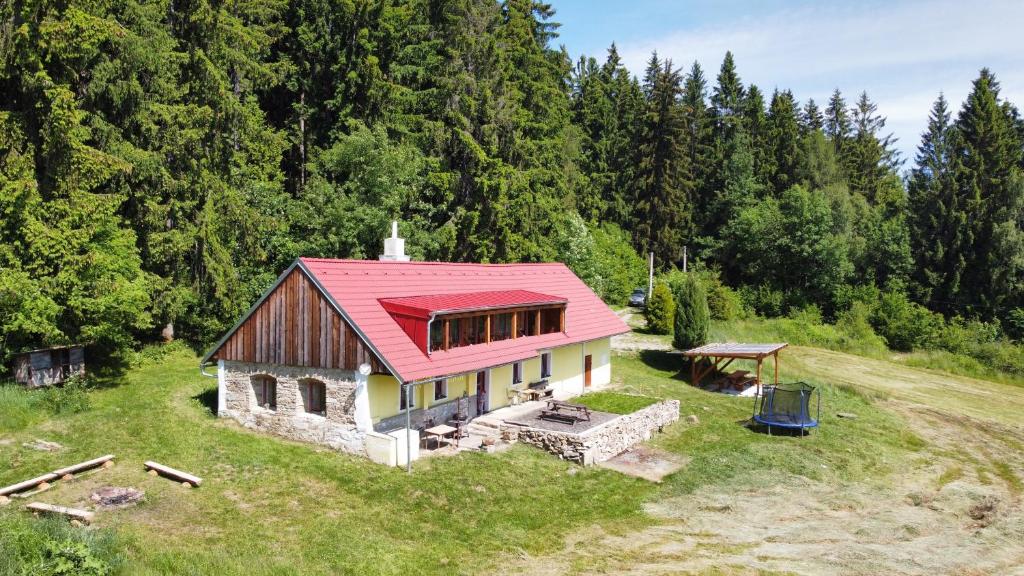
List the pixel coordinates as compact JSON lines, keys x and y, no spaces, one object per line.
{"x":720,"y":355}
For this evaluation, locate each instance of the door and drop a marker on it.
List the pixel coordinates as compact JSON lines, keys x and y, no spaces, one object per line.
{"x":588,"y":362}
{"x":481,"y":392}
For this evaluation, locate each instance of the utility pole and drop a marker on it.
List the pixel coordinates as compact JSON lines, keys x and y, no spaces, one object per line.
{"x":650,"y":277}
{"x":684,"y":258}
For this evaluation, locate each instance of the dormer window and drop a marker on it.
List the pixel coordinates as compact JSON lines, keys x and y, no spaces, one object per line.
{"x":447,"y":321}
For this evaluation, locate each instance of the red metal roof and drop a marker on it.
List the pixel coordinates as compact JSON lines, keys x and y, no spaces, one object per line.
{"x":359,"y":286}
{"x":428,"y":304}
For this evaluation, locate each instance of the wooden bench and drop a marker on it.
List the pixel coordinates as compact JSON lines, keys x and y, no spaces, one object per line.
{"x":560,"y":411}
{"x":184,"y":477}
{"x":542,"y":389}
{"x":83,"y":516}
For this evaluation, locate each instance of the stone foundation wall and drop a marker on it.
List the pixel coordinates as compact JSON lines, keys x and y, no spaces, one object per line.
{"x":601,"y":442}
{"x":336,"y":428}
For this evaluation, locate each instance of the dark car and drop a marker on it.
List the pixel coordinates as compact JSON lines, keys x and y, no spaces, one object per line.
{"x":638,"y":298}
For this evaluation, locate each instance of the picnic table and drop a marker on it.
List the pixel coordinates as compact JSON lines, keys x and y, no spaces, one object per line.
{"x":561,"y":411}
{"x":736,"y":379}
{"x":438,"y":433}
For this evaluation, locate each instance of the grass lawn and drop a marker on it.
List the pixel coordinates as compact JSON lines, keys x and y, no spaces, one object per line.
{"x":614,"y":402}
{"x":269,"y":506}
{"x":722,"y":450}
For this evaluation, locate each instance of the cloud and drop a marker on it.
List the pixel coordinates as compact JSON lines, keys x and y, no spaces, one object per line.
{"x":902,"y":53}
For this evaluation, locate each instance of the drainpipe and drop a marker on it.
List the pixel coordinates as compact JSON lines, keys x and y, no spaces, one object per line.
{"x":220,"y":376}
{"x":429,"y":322}
{"x":362,"y":399}
{"x":408,"y":427}
{"x":202,"y":369}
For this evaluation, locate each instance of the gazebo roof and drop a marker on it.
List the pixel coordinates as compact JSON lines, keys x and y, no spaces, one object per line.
{"x":736,"y":350}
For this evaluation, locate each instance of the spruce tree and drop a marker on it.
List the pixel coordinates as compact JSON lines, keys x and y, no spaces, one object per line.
{"x":937,"y":238}
{"x":784,"y":138}
{"x":755,"y":121}
{"x":837,"y":122}
{"x":699,"y":141}
{"x":987,"y":177}
{"x":728,"y":94}
{"x":812,"y":119}
{"x":869,"y":157}
{"x":662,"y":190}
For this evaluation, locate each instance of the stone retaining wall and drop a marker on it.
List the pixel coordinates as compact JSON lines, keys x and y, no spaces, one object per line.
{"x":336,"y":428}
{"x":601,"y":442}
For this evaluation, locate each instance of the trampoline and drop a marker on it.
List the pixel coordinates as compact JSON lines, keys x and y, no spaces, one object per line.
{"x":787,"y":406}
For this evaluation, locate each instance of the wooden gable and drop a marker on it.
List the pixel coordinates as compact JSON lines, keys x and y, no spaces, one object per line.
{"x":295,"y":325}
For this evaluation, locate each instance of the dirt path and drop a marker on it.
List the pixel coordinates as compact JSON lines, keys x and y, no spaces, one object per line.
{"x":955,"y":509}
{"x":635,"y":341}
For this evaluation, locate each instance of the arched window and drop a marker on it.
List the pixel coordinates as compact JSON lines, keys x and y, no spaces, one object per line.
{"x":265,"y":388}
{"x":314,"y":396}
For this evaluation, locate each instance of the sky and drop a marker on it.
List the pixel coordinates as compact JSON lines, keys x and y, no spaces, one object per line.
{"x":902,"y":52}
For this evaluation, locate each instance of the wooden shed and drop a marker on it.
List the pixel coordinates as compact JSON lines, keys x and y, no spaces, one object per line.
{"x":48,"y":366}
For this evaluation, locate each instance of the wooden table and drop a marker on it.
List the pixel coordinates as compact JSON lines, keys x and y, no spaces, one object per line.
{"x":438,"y":432}
{"x":532,"y":393}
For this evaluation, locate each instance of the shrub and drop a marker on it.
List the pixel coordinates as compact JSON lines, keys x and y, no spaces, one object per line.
{"x":603,"y":257}
{"x":906,"y":325}
{"x":724,"y":303}
{"x":809,"y":314}
{"x":69,"y":398}
{"x":1014,"y":323}
{"x":855,"y":324}
{"x":763,"y":300}
{"x":692,"y":316}
{"x":660,"y":310}
{"x":52,"y":547}
{"x":961,"y":336}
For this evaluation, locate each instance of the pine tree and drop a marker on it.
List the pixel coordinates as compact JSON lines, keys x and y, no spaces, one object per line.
{"x":699,"y":141}
{"x":784,"y":138}
{"x":988,"y":180}
{"x":755,"y":119}
{"x":936,"y":240}
{"x":727,"y":97}
{"x":663,"y":193}
{"x":869,"y":157}
{"x":811,"y":120}
{"x":837,"y":122}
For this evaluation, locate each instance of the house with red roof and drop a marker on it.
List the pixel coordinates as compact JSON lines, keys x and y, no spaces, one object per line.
{"x":336,"y":350}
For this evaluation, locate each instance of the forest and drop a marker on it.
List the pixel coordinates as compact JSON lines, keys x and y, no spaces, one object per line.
{"x":161,"y":161}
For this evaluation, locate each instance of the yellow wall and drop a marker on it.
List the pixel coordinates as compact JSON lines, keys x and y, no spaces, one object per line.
{"x":501,"y":381}
{"x":383,"y":392}
{"x":566,"y":376}
{"x":601,"y":361}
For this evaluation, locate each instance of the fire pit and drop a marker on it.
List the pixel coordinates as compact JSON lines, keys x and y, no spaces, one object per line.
{"x":117,"y":497}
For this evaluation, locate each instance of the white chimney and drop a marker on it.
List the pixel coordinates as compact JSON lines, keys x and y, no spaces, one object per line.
{"x":394,"y":247}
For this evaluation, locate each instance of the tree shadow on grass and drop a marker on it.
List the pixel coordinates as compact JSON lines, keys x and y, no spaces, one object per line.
{"x":208,"y":399}
{"x":667,"y":361}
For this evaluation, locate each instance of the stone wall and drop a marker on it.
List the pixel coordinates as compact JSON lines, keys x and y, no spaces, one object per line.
{"x":604,"y":441}
{"x":336,"y":428}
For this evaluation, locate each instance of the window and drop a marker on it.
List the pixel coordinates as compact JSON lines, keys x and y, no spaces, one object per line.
{"x":314,"y":396}
{"x":440,"y":389}
{"x":402,"y":399}
{"x":265,"y":388}
{"x":454,"y":333}
{"x":517,"y":373}
{"x":437,"y":334}
{"x":479,"y":329}
{"x":501,"y":327}
{"x":524,"y":321}
{"x":545,"y":365}
{"x":550,"y":320}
